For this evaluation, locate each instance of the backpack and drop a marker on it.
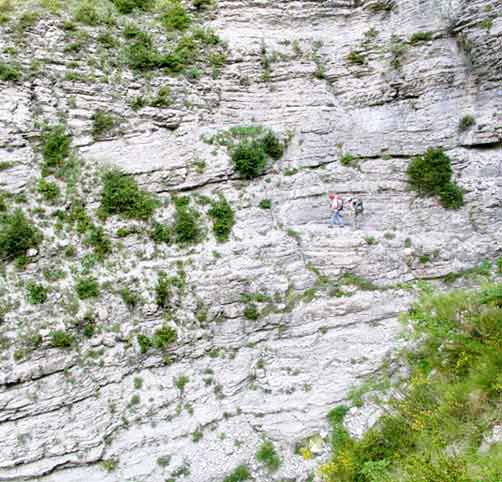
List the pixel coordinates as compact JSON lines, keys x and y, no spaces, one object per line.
{"x":337,"y":204}
{"x":357,"y":204}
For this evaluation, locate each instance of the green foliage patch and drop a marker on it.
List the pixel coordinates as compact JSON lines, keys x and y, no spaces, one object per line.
{"x":9,"y":72}
{"x":17,"y":235}
{"x":122,"y":196}
{"x":223,"y":217}
{"x":87,"y":287}
{"x":55,"y":147}
{"x":268,"y":456}
{"x":36,"y":293}
{"x":186,"y":227}
{"x":451,"y":398}
{"x":430,"y":174}
{"x":239,"y":474}
{"x":61,"y":339}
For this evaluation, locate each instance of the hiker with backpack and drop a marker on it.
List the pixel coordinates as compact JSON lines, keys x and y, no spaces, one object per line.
{"x":357,"y":209}
{"x":336,"y":206}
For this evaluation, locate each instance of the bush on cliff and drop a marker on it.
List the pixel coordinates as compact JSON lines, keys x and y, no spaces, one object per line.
{"x":430,"y":174}
{"x":434,"y":424}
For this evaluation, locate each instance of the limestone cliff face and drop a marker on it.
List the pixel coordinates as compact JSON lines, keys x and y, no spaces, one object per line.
{"x":71,"y":414}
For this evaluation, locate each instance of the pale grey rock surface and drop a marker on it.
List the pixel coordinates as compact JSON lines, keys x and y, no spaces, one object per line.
{"x":62,"y":412}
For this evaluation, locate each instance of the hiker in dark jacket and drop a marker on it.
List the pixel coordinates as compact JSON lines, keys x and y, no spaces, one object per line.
{"x":357,"y":207}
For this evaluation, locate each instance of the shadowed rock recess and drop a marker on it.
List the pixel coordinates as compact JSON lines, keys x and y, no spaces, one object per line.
{"x":136,"y":344}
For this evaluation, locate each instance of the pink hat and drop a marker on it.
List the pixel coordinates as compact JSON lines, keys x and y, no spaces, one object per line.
{"x":331,"y":195}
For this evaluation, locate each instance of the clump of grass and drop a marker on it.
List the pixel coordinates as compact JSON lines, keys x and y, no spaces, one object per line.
{"x":181,"y":382}
{"x":9,"y":72}
{"x":55,"y":147}
{"x":98,"y":239}
{"x":251,"y":154}
{"x":175,"y":17}
{"x":161,"y":233}
{"x":357,"y":281}
{"x":122,"y":196}
{"x":223,"y":217}
{"x":87,"y":287}
{"x":61,"y":339}
{"x":347,"y":160}
{"x":268,"y":456}
{"x":186,"y":227}
{"x":128,"y":6}
{"x":450,"y":400}
{"x":420,"y":37}
{"x":356,"y":58}
{"x":265,"y":204}
{"x":49,"y":190}
{"x":130,"y":298}
{"x":163,"y":98}
{"x":103,"y":123}
{"x":17,"y":235}
{"x":36,"y":293}
{"x":239,"y":474}
{"x":466,"y":123}
{"x":251,"y":312}
{"x":430,"y":174}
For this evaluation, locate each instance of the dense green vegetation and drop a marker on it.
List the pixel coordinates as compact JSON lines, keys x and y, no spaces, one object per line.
{"x":223,"y":217}
{"x":435,"y":422}
{"x":430,"y":174}
{"x":250,"y":148}
{"x":36,"y":294}
{"x":103,"y":122}
{"x":87,"y":287}
{"x":121,"y":195}
{"x":9,"y":72}
{"x":17,"y":235}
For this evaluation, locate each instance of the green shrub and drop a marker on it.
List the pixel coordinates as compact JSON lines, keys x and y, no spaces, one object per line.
{"x":144,"y":343}
{"x":107,"y":40}
{"x":87,"y":287}
{"x":420,"y":37}
{"x":61,"y":339}
{"x":181,"y":382}
{"x":103,"y":122}
{"x":163,"y":98}
{"x":186,"y":224}
{"x":163,"y":337}
{"x":98,"y":239}
{"x":273,"y":147}
{"x":239,"y":474}
{"x":127,"y":6}
{"x":265,"y":204}
{"x":141,"y":54}
{"x":175,"y":17}
{"x":249,"y":159}
{"x":122,"y":196}
{"x":251,"y":312}
{"x":223,"y":218}
{"x":162,"y":290}
{"x":9,"y":72}
{"x":55,"y":146}
{"x":130,"y":298}
{"x":452,"y":196}
{"x":17,"y":235}
{"x":161,"y":233}
{"x":450,"y":398}
{"x":430,"y":174}
{"x":347,"y":160}
{"x":356,"y":58}
{"x":466,"y":122}
{"x":86,"y":13}
{"x":49,"y":190}
{"x":36,"y":294}
{"x":267,"y":455}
